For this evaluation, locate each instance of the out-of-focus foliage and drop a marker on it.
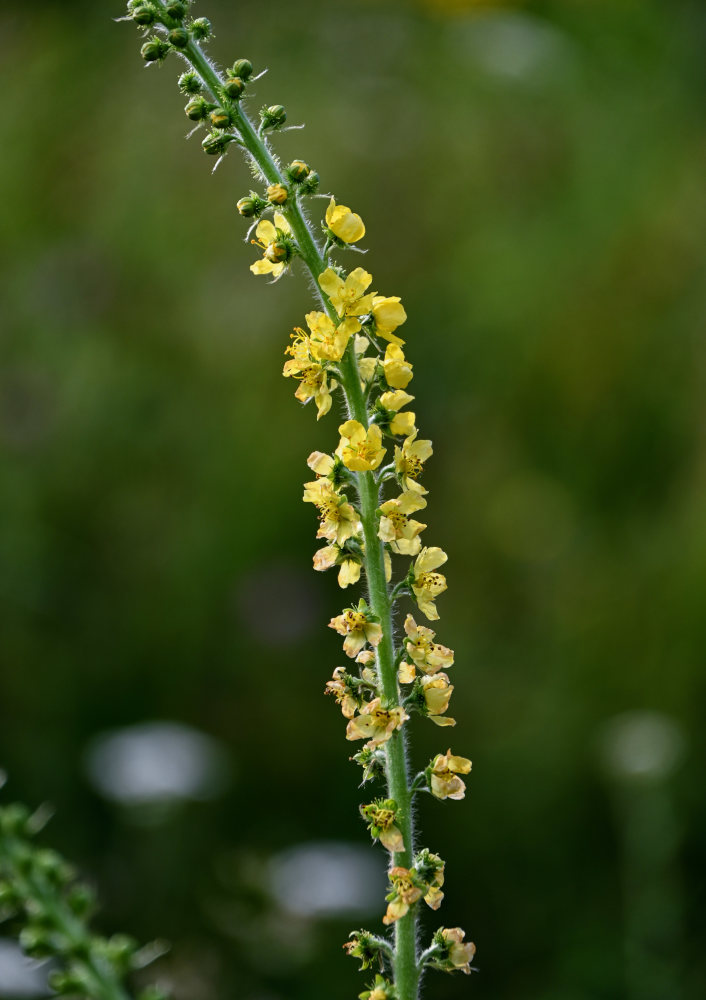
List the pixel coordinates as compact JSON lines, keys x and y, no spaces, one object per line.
{"x":532,"y":182}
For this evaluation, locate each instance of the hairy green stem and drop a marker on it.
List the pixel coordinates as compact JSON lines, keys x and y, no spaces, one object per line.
{"x":405,"y":958}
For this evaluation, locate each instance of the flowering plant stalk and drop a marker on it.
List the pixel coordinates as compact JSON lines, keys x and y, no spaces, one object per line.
{"x":350,"y":347}
{"x":50,"y":912}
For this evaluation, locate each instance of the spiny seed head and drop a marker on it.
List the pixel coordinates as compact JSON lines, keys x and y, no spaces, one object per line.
{"x":311,"y":184}
{"x":179,"y":37}
{"x":298,"y":171}
{"x":200,"y":28}
{"x":190,"y":83}
{"x":241,"y":68}
{"x":154,"y":50}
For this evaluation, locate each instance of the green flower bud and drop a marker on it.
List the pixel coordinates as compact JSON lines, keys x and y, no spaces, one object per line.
{"x":190,"y":83}
{"x":221,"y":118}
{"x":35,"y":943}
{"x":251,"y":206}
{"x":80,"y":899}
{"x":298,"y":171}
{"x":197,"y":109}
{"x":176,"y":9}
{"x":143,"y":14}
{"x":154,"y":50}
{"x":200,"y":28}
{"x":233,"y":87}
{"x":311,"y":184}
{"x":216,"y":143}
{"x":273,"y":117}
{"x":53,"y":866}
{"x":179,"y":37}
{"x":241,"y":68}
{"x":74,"y":981}
{"x":119,"y":950}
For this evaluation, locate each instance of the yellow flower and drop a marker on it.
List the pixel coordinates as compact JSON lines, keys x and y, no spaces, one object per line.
{"x":343,"y":223}
{"x":392,"y":402}
{"x":375,"y":723}
{"x":360,"y":450}
{"x":314,"y":382}
{"x":342,"y":691}
{"x":437,"y":694}
{"x":367,"y":657}
{"x":388,"y":313}
{"x":358,"y":628}
{"x":328,"y":342}
{"x":347,"y":297}
{"x":406,"y":673}
{"x":277,"y":194}
{"x":461,"y":952}
{"x":273,"y":241}
{"x":339,"y":520}
{"x":430,"y":868}
{"x":348,"y":566}
{"x":405,"y":892}
{"x":427,"y":655}
{"x":398,"y":371}
{"x":397,"y":528}
{"x":445,"y":781}
{"x":409,"y":461}
{"x":382,"y":816}
{"x":426,"y":584}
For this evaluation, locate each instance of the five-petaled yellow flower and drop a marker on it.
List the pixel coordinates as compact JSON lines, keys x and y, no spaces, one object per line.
{"x":343,"y":223}
{"x":398,"y":528}
{"x":445,"y":770}
{"x":358,"y":629}
{"x":348,"y":296}
{"x":409,"y":461}
{"x":359,"y":449}
{"x":375,"y":723}
{"x":314,"y":382}
{"x":339,"y":520}
{"x":426,"y":584}
{"x":328,"y":342}
{"x":426,"y":655}
{"x":348,"y":567}
{"x":273,"y":240}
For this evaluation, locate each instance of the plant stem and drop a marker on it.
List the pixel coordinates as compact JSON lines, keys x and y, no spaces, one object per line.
{"x":405,"y":958}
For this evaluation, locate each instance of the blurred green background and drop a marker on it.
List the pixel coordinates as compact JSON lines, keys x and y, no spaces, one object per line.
{"x":532,"y":179}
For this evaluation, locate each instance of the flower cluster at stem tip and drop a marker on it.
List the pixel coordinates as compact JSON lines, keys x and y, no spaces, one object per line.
{"x":367,"y":490}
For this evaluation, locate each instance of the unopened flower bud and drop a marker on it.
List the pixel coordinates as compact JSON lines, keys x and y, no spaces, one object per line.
{"x":179,"y":37}
{"x":241,"y":68}
{"x":154,"y":50}
{"x":190,"y":83}
{"x":216,"y":143}
{"x":233,"y":87}
{"x":277,"y":194}
{"x":176,"y":9}
{"x":273,"y":117}
{"x":200,"y":28}
{"x":143,"y":14}
{"x":251,"y":206}
{"x":197,"y":109}
{"x":311,"y":184}
{"x":298,"y":171}
{"x":221,"y":118}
